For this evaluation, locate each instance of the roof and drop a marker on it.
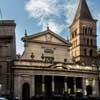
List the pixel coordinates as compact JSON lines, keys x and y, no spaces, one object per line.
{"x":83,"y":11}
{"x":26,"y":38}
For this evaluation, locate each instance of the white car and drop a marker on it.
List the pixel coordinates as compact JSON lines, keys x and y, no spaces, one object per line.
{"x":2,"y":98}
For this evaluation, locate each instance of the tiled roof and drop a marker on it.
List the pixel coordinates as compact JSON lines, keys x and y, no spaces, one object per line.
{"x":83,"y":11}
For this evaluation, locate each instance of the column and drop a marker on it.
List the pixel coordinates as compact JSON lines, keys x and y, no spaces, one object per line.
{"x":74,"y":79}
{"x":84,"y":86}
{"x":95,"y":86}
{"x":43,"y":84}
{"x":33,"y":86}
{"x":65,"y":84}
{"x":53,"y":85}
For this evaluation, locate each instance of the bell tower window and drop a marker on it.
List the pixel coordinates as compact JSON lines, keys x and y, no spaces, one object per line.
{"x":85,"y":30}
{"x":87,"y":41}
{"x":91,"y":42}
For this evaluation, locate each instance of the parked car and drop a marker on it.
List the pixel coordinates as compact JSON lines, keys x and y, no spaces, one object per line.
{"x":17,"y":98}
{"x":2,"y":98}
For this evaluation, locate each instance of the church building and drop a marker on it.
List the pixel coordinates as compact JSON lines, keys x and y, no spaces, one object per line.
{"x":51,"y":65}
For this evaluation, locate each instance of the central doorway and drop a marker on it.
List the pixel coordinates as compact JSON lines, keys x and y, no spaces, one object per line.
{"x":59,"y":85}
{"x":48,"y":86}
{"x":25,"y":91}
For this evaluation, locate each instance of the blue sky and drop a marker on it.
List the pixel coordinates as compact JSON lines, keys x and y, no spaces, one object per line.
{"x":34,"y":15}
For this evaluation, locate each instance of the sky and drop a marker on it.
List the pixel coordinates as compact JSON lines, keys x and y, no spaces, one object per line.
{"x":36,"y":15}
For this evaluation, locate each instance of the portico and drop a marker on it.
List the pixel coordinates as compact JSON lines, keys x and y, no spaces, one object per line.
{"x":56,"y":82}
{"x":48,"y":85}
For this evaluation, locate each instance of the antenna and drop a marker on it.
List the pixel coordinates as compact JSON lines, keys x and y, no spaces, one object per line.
{"x":25,"y":32}
{"x":1,"y":14}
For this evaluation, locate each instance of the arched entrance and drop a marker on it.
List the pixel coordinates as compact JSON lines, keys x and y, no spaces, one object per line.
{"x":25,"y":91}
{"x":89,"y":90}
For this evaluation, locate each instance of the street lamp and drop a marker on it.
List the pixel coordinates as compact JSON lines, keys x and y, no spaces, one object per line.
{"x":0,"y":89}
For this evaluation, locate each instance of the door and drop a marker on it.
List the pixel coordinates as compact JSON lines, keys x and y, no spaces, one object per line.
{"x":25,"y":91}
{"x":89,"y":90}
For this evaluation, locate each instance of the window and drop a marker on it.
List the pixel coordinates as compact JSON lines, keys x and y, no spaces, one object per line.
{"x":75,"y":32}
{"x":91,"y":52}
{"x":84,"y":42}
{"x":72,"y":35}
{"x":87,"y":41}
{"x":86,"y":31}
{"x":76,"y":43}
{"x":91,"y":42}
{"x":49,"y":59}
{"x":91,"y":31}
{"x":83,"y":30}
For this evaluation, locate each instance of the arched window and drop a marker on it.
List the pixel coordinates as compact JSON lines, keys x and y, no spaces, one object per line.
{"x":91,"y":52}
{"x":75,"y":32}
{"x":84,"y":42}
{"x":87,"y":41}
{"x":91,"y":31}
{"x":91,"y":42}
{"x":85,"y":30}
{"x":72,"y":35}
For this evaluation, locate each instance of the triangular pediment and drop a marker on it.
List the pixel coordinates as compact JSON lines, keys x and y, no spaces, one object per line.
{"x":46,"y":37}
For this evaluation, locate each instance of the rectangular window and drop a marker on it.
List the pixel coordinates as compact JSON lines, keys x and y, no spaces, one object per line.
{"x":49,"y":59}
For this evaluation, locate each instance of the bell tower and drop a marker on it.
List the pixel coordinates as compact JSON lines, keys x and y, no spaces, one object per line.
{"x":83,"y":35}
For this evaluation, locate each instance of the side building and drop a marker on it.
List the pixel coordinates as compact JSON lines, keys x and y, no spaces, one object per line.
{"x":7,"y":54}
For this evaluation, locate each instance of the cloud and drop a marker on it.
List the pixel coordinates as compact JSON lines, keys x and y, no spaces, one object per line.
{"x":56,"y":13}
{"x":54,"y":26}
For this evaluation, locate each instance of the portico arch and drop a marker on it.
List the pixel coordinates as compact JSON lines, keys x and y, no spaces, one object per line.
{"x":25,"y":91}
{"x":89,"y":90}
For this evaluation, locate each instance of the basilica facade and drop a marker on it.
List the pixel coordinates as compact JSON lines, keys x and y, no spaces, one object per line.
{"x":51,"y":65}
{"x":46,"y":68}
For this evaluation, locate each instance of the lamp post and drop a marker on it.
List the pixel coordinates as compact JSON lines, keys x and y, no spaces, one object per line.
{"x":0,"y":89}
